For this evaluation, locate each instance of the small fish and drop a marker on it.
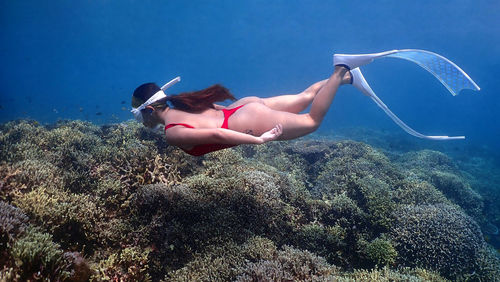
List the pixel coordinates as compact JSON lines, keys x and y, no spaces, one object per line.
{"x":124,"y":109}
{"x":123,"y":102}
{"x":80,"y":109}
{"x":55,"y":110}
{"x":98,"y":114}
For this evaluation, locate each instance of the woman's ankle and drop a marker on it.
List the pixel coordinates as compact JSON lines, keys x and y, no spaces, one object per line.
{"x":347,"y":78}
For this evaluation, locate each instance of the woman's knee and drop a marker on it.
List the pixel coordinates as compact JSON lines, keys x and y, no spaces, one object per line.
{"x":308,"y":95}
{"x":312,"y":124}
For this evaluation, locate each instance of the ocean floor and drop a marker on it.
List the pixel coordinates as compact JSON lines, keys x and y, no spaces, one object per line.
{"x":115,"y":202}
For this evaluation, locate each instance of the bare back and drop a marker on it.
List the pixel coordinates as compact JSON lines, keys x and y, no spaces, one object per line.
{"x":210,"y":118}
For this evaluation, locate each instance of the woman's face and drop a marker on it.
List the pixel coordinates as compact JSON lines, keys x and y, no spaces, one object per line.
{"x":151,"y":118}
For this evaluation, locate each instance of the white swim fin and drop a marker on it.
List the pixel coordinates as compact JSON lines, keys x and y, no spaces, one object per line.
{"x":355,"y":61}
{"x":447,"y":72}
{"x":361,"y":84}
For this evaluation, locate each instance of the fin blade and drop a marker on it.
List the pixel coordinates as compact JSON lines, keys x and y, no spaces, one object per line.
{"x":405,"y":127}
{"x":447,"y":72}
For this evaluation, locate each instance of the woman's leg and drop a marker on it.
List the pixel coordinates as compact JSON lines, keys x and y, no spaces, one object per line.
{"x":256,"y":118}
{"x":292,"y":103}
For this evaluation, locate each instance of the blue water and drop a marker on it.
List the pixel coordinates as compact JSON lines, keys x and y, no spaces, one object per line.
{"x":83,"y":59}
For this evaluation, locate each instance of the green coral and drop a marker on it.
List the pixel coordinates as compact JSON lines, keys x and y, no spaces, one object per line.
{"x":425,"y":161}
{"x":418,"y":192}
{"x":191,"y":215}
{"x":488,"y":266}
{"x":437,"y":237}
{"x":70,"y":217}
{"x":16,"y":141}
{"x":348,"y":163}
{"x":381,"y":252}
{"x":288,"y":265}
{"x":327,"y":242}
{"x":130,"y":264}
{"x":439,"y":170}
{"x":38,"y":256}
{"x":224,"y":262}
{"x":386,"y":274}
{"x":378,"y":197}
{"x":457,"y":190}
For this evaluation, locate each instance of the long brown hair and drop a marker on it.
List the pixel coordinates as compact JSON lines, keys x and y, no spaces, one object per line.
{"x":198,"y":101}
{"x":192,"y":102}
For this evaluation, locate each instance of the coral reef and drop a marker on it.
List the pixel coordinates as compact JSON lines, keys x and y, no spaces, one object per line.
{"x":225,"y":261}
{"x":458,"y":191}
{"x":37,"y":256}
{"x":115,"y":202}
{"x":129,"y":264}
{"x":381,"y":251}
{"x":291,"y":264}
{"x":13,"y":222}
{"x":288,"y":264}
{"x":439,"y":170}
{"x":437,"y":237}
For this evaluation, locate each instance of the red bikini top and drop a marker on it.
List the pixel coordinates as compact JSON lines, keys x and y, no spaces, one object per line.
{"x":200,"y":150}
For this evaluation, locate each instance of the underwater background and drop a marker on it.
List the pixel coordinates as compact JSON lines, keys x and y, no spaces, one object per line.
{"x":86,"y":193}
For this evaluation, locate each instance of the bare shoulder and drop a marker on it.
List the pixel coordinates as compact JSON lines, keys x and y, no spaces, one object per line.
{"x":219,"y":107}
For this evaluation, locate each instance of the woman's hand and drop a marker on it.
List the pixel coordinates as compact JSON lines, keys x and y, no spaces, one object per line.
{"x":272,"y":134}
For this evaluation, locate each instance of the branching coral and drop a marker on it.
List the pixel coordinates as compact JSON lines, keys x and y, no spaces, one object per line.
{"x":380,"y":252}
{"x":387,"y":274}
{"x":460,"y":192}
{"x":378,"y":198}
{"x":16,"y":140}
{"x":425,"y":161}
{"x":70,"y":217}
{"x":439,"y":170}
{"x":327,"y":242}
{"x":347,"y":164}
{"x":418,"y":192}
{"x":187,"y":218}
{"x":437,"y":237}
{"x":140,"y":209}
{"x":225,"y":261}
{"x":38,"y":256}
{"x":13,"y":222}
{"x":346,"y":213}
{"x":130,"y":264}
{"x":288,"y":265}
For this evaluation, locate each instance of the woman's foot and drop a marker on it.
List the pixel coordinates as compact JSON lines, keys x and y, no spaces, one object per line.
{"x":353,"y":61}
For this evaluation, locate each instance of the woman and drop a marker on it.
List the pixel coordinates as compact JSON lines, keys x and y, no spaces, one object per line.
{"x":198,"y":126}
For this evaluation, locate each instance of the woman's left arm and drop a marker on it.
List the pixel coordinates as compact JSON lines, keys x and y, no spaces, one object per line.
{"x":193,"y":136}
